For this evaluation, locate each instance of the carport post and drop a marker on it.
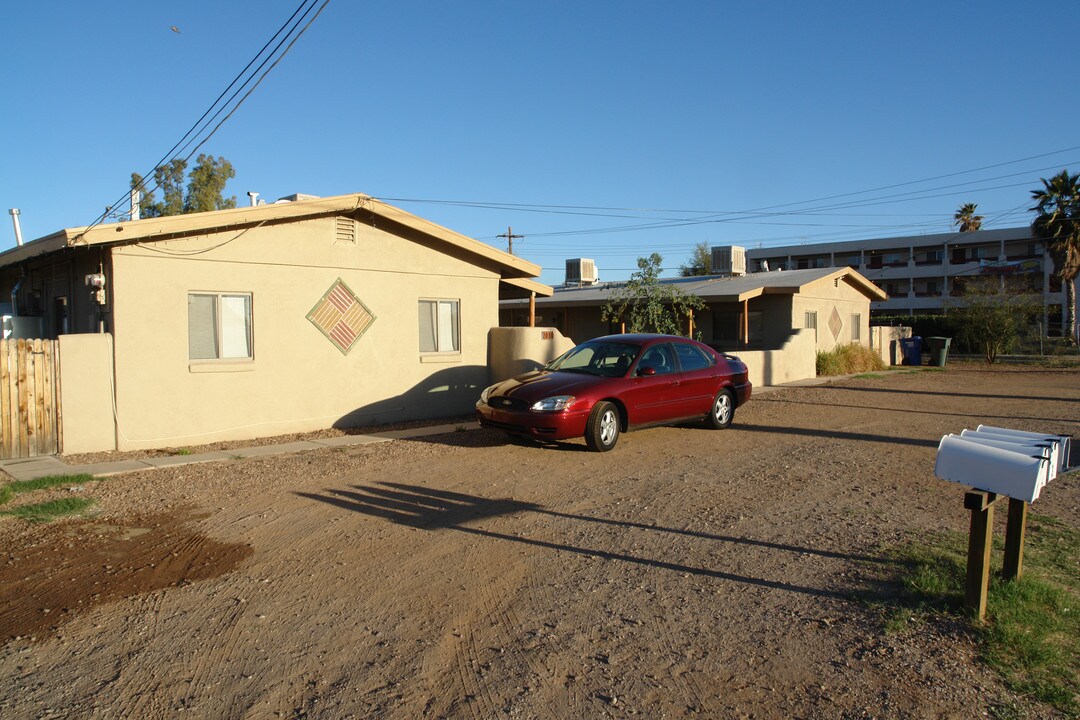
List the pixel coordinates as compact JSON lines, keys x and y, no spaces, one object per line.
{"x":532,"y":309}
{"x":1014,"y":539}
{"x":981,"y":505}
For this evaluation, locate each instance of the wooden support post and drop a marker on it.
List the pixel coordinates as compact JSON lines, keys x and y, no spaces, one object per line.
{"x":746,"y":323}
{"x":981,"y":505}
{"x":532,"y":309}
{"x":690,"y":330}
{"x":1014,"y":539}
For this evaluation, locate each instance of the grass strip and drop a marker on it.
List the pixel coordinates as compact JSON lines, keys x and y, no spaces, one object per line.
{"x":1032,"y":637}
{"x":46,"y":511}
{"x":42,"y":483}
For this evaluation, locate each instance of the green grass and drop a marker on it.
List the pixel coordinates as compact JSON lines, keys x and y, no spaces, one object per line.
{"x":46,"y":511}
{"x":42,"y":483}
{"x":1032,"y":634}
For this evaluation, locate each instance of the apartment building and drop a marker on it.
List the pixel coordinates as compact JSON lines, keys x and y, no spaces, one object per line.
{"x":927,"y":274}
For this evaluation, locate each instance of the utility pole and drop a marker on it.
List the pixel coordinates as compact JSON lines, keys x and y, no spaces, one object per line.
{"x":509,"y":235}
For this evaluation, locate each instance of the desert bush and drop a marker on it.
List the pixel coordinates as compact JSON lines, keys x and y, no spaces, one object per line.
{"x":848,"y":360}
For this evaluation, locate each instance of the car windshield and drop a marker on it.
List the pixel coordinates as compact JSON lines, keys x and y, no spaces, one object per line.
{"x":606,"y":359}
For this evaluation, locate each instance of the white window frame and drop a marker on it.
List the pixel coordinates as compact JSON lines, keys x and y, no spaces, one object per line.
{"x":446,"y":326}
{"x":856,"y":327}
{"x":223,"y":338}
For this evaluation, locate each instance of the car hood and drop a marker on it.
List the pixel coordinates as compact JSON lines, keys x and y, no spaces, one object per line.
{"x":541,"y":384}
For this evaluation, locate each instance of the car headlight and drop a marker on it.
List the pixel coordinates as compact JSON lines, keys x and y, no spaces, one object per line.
{"x":557,"y":403}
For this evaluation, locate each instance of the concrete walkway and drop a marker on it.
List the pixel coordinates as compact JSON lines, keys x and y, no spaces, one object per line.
{"x":31,"y":468}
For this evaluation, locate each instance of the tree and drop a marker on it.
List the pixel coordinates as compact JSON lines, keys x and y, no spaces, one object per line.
{"x":1057,"y":222}
{"x":966,"y":218}
{"x":648,"y":305}
{"x":992,"y":315}
{"x":700,"y":262}
{"x":205,"y":187}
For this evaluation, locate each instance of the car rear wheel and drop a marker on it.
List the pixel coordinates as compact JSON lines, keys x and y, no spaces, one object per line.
{"x":723,"y":410}
{"x":602,"y":430}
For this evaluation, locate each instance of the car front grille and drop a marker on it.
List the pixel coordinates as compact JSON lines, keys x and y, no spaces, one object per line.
{"x":507,"y":403}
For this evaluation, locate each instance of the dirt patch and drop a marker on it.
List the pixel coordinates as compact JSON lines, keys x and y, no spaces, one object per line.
{"x":690,"y":572}
{"x":72,"y":567}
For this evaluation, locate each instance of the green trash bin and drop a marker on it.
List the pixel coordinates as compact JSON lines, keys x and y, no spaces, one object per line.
{"x":938,"y":347}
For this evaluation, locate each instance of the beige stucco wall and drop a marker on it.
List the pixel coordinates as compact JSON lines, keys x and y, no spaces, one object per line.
{"x":86,"y":366}
{"x":795,"y":359}
{"x":886,"y":342}
{"x":513,"y":351}
{"x":298,"y":380}
{"x":824,"y":297}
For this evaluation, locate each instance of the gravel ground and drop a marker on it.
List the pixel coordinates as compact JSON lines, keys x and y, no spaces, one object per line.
{"x":688,"y":573}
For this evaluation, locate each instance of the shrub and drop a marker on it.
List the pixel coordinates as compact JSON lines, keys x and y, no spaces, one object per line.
{"x":848,"y":360}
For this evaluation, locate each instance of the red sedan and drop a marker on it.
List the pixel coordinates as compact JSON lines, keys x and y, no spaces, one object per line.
{"x":617,"y":383}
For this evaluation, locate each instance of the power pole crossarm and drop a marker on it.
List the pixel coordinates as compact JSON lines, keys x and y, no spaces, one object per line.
{"x":509,"y":235}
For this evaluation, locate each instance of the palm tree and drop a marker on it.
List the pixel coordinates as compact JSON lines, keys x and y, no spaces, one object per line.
{"x":1058,"y":223}
{"x":966,"y":218}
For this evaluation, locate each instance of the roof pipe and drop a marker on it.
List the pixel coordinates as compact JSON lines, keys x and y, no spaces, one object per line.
{"x":14,"y":212}
{"x":254,"y":198}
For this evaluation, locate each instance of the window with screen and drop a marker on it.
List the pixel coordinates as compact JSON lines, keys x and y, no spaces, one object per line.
{"x":219,"y":326}
{"x":439,"y":323}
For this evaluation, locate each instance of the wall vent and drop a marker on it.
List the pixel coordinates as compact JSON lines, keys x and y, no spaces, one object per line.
{"x":581,"y":271}
{"x":729,"y":260}
{"x":344,"y":231}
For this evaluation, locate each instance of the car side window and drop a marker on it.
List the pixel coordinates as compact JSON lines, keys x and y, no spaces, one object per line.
{"x":659,"y":358}
{"x":692,"y":358}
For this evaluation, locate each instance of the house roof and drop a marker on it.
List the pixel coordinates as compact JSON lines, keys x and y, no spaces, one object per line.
{"x":722,"y":289}
{"x":175,"y":226}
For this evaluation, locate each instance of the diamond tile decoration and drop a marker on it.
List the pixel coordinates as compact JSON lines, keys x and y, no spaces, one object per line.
{"x":341,"y":316}
{"x":835,"y":323}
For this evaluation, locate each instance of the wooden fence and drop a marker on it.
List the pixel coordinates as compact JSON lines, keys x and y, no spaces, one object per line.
{"x":29,"y":398}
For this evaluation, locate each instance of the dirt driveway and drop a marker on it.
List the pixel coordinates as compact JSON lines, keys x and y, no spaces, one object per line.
{"x":688,"y":573}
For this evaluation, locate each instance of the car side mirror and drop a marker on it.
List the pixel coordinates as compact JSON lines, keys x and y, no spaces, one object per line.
{"x":646,"y":371}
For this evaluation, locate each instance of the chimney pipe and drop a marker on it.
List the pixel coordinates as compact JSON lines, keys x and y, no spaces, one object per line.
{"x":253,"y":196}
{"x":14,"y":212}
{"x":136,"y":196}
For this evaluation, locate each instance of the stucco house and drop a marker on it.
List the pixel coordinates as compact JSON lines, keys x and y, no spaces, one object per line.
{"x":279,"y":318}
{"x":776,"y":321}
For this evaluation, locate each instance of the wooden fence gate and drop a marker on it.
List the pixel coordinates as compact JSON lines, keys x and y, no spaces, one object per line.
{"x":29,"y":399}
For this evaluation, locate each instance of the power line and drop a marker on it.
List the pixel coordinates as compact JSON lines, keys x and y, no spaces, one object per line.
{"x":287,"y":33}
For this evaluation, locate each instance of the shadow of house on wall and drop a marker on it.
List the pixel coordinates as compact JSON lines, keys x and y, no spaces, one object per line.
{"x":447,"y":393}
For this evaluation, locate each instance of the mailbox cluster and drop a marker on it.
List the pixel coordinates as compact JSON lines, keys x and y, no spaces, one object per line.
{"x":1008,"y":462}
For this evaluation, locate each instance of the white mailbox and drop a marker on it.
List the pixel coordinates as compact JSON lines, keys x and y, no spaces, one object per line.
{"x":1048,"y":450}
{"x":1017,"y":472}
{"x":1061,"y":443}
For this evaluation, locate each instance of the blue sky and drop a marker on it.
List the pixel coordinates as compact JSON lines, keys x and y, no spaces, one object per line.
{"x":562,"y":119}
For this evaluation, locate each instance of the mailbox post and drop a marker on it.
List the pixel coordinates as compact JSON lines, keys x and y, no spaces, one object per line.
{"x":997,"y":462}
{"x":980,"y":540}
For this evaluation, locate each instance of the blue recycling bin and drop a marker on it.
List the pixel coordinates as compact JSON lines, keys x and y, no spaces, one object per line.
{"x":911,"y":351}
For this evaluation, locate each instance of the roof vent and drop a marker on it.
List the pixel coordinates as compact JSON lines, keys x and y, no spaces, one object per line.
{"x":729,"y":260}
{"x":581,"y":271}
{"x":296,"y":196}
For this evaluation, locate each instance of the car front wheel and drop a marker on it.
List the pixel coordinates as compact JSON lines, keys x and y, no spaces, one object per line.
{"x":723,"y":410}
{"x":602,"y":430}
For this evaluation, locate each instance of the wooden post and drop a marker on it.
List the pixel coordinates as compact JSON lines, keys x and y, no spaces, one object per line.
{"x":532,"y":309}
{"x":746,"y":323}
{"x":1014,"y":539}
{"x":981,"y":505}
{"x":690,"y":330}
